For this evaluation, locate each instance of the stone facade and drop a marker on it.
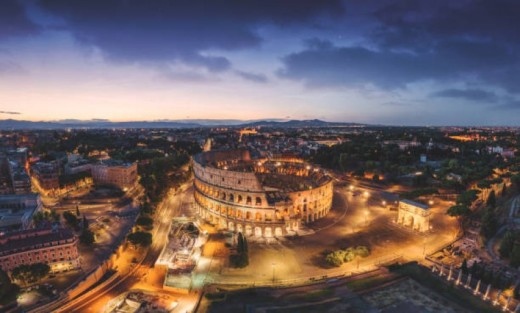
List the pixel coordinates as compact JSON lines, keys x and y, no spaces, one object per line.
{"x":122,"y":175}
{"x":261,"y":198}
{"x":56,"y":247}
{"x":414,"y":215}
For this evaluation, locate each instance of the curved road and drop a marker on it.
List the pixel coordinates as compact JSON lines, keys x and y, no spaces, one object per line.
{"x":171,"y":207}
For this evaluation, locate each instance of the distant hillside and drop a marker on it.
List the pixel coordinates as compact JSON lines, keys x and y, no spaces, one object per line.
{"x":298,"y":123}
{"x":99,"y":123}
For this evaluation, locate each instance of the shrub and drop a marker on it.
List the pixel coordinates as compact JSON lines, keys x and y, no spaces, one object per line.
{"x":140,"y":238}
{"x":338,"y":257}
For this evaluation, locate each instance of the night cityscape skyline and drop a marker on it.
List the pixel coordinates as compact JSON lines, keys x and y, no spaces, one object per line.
{"x":376,"y":62}
{"x":281,"y":156}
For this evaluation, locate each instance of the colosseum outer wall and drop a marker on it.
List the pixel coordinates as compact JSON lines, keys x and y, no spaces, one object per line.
{"x":237,"y":201}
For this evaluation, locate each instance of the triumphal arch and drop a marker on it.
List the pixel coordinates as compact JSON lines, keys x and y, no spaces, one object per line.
{"x":414,"y":215}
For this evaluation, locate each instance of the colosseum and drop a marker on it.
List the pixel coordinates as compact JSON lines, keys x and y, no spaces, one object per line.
{"x":268,"y":197}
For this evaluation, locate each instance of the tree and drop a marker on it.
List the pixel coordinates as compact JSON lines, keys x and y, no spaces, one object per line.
{"x":55,"y":216}
{"x":30,"y":273}
{"x":87,"y":237}
{"x":71,"y":219}
{"x":515,"y":180}
{"x":85,"y":222}
{"x":335,"y":258}
{"x":489,"y":224}
{"x":8,"y":290}
{"x":458,"y":211}
{"x":362,"y":251}
{"x":491,"y":200}
{"x":145,"y":222}
{"x":507,"y":244}
{"x":464,"y":267}
{"x":140,"y":238}
{"x":516,"y":291}
{"x":338,"y":257}
{"x":46,"y":216}
{"x":514,"y":261}
{"x":241,"y":258}
{"x":467,"y":197}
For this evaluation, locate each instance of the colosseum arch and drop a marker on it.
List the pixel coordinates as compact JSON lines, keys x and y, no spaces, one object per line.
{"x":217,"y":174}
{"x":249,"y":230}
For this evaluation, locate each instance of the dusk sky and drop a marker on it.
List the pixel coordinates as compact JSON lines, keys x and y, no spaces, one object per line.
{"x":390,"y":62}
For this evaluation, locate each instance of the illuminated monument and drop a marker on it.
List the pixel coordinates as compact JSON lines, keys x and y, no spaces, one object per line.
{"x":259,"y":197}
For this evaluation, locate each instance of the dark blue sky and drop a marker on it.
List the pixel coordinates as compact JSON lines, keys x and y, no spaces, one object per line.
{"x":393,"y":62}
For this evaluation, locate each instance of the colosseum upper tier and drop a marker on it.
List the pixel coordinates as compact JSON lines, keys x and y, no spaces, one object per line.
{"x":259,"y":197}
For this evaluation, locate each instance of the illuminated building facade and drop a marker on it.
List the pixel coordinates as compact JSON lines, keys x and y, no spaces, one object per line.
{"x":259,"y":197}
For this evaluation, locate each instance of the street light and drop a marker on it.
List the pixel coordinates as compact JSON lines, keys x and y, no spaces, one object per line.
{"x":351,"y":187}
{"x":366,"y":194}
{"x":383,"y":203}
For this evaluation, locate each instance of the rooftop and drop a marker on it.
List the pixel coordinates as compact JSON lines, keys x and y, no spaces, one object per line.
{"x":416,"y":204}
{"x":31,"y":239}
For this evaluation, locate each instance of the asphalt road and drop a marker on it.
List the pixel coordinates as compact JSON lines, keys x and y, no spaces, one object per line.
{"x":173,"y":206}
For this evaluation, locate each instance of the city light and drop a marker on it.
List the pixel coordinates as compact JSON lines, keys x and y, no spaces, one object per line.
{"x":222,"y":156}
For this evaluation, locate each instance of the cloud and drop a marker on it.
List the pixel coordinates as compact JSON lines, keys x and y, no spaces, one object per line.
{"x":420,"y":24}
{"x":186,"y":76}
{"x":395,"y":104}
{"x":511,"y":105}
{"x":14,"y":20}
{"x":254,"y":77}
{"x":165,"y":30}
{"x":10,"y":112}
{"x":9,"y":67}
{"x":324,"y":64}
{"x":478,"y":95}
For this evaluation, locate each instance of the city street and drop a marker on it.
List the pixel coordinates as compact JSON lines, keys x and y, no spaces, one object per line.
{"x":146,"y":276}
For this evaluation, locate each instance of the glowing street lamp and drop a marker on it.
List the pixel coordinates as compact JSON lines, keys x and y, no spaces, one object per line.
{"x":430,"y":202}
{"x":383,"y":203}
{"x":366,"y":194}
{"x":351,"y":187}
